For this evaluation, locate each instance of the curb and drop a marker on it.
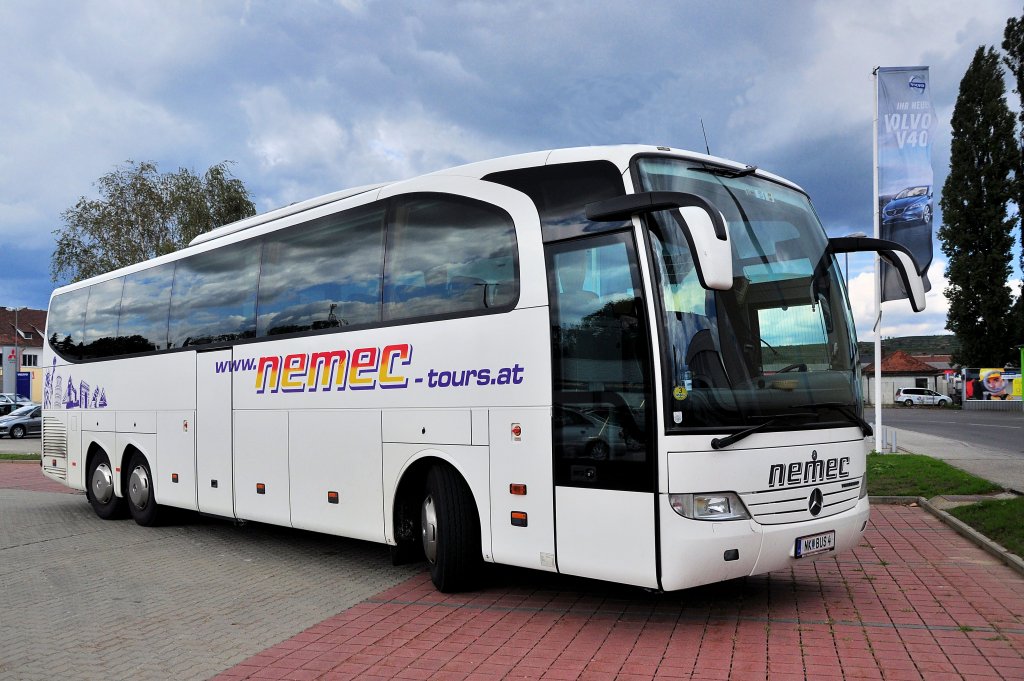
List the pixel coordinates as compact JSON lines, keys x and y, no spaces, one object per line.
{"x":996,"y":550}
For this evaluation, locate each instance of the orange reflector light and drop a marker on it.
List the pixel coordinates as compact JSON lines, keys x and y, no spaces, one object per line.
{"x":261,"y":488}
{"x":332,"y":497}
{"x":519,"y":518}
{"x":174,"y":477}
{"x":517,"y":489}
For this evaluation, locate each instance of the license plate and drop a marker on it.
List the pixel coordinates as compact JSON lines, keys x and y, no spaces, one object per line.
{"x":815,"y":543}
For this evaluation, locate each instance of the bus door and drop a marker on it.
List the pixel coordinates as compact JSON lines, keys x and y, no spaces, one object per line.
{"x":214,"y":474}
{"x":603,"y":450}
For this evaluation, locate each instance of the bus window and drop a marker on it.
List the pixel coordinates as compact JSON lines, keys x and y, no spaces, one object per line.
{"x":601,"y":365}
{"x":213,"y":298}
{"x":101,"y":312}
{"x":795,"y":332}
{"x":322,"y":275}
{"x":65,"y":323}
{"x":561,"y":192}
{"x":144,"y":306}
{"x":448,"y":255}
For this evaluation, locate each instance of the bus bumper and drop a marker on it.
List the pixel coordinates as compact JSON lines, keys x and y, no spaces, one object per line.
{"x":695,"y":552}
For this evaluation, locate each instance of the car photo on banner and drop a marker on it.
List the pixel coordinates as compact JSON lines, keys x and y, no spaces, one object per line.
{"x":913,"y":205}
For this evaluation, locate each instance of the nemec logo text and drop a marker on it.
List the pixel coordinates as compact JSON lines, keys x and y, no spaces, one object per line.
{"x":809,"y":472}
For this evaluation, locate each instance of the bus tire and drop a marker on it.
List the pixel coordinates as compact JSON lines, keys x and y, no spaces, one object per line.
{"x":99,"y":488}
{"x":141,"y":501}
{"x":450,"y":529}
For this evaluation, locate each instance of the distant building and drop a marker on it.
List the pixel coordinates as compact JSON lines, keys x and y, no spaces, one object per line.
{"x":21,"y":342}
{"x":903,"y":370}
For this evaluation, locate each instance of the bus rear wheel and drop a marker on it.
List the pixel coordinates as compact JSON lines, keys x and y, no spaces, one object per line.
{"x":141,"y":501}
{"x":450,"y":530}
{"x":99,"y":489}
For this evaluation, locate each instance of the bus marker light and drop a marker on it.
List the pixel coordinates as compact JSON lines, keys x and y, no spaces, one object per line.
{"x":261,"y":488}
{"x":519,"y":518}
{"x":732,"y":554}
{"x":517,"y":432}
{"x":174,"y":477}
{"x":332,"y":497}
{"x":517,"y":489}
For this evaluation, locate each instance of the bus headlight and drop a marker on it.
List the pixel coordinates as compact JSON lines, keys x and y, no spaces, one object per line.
{"x":863,"y":485}
{"x":709,"y":506}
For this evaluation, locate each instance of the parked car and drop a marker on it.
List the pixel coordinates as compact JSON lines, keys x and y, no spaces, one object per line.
{"x":21,"y":422}
{"x":912,"y":396}
{"x":11,"y":401}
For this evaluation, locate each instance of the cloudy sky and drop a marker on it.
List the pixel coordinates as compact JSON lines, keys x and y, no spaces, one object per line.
{"x":311,"y":97}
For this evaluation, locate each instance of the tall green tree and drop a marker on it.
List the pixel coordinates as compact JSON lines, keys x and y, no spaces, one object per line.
{"x":977,"y":231}
{"x":1013,"y":46}
{"x":141,"y":214}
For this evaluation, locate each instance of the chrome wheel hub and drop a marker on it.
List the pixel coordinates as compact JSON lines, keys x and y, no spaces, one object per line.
{"x":428,"y":521}
{"x":138,"y":488}
{"x":102,"y":483}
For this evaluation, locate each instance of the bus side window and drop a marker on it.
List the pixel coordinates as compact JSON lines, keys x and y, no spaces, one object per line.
{"x":213,"y":298}
{"x":65,"y":323}
{"x":322,"y":275}
{"x":142,"y":325}
{"x":448,"y":255}
{"x":100,"y":336}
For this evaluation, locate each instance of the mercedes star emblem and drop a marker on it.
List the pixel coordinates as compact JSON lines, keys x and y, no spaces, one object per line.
{"x":814,"y":502}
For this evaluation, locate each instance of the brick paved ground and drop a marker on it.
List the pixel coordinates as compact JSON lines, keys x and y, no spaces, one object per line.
{"x":80,"y":596}
{"x":27,"y":475}
{"x":915,"y":601}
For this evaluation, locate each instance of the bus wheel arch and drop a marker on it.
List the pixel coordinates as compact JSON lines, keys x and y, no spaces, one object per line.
{"x":137,"y":484}
{"x":100,"y":484}
{"x":436,"y":517}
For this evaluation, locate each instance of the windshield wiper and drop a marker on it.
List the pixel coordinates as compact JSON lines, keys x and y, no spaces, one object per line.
{"x":722,"y":171}
{"x":720,"y":442}
{"x":844,"y":409}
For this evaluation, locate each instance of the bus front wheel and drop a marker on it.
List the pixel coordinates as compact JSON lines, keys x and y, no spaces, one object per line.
{"x":141,"y":501}
{"x":450,"y":530}
{"x":99,"y":489}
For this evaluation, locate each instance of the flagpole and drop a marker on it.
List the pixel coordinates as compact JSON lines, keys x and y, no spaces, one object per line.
{"x":877,"y":397}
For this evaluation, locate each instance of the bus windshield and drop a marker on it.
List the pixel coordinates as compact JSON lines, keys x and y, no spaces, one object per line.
{"x":778,"y":349}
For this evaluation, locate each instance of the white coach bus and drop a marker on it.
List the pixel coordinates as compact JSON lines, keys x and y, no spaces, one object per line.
{"x":629,"y":363}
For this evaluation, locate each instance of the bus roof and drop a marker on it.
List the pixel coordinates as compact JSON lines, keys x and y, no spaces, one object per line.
{"x":620,"y":155}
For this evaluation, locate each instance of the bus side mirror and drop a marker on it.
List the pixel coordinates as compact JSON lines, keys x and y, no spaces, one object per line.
{"x":701,"y":222}
{"x":897,"y":255}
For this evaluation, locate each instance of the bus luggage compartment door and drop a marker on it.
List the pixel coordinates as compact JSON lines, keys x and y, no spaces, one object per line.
{"x":214,"y":474}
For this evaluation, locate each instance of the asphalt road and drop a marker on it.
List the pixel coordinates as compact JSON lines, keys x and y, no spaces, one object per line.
{"x":999,"y":430}
{"x":31,"y":444}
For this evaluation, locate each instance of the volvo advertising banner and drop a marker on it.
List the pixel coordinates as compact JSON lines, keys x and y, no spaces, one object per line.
{"x":906,"y":124}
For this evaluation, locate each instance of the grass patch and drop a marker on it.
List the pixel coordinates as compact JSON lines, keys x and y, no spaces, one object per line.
{"x":915,"y":475}
{"x":1001,"y":520}
{"x":11,"y":456}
